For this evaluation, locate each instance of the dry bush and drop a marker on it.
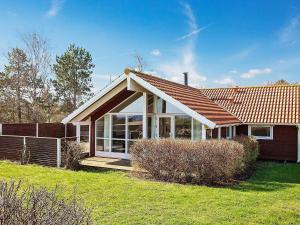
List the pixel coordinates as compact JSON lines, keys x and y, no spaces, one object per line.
{"x":185,"y":161}
{"x":37,"y":206}
{"x":251,"y":149}
{"x":24,"y":155}
{"x":71,"y":155}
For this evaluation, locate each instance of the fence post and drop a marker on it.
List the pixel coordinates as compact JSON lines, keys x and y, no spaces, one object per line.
{"x":0,"y":128}
{"x":78,"y":132}
{"x":58,"y":152}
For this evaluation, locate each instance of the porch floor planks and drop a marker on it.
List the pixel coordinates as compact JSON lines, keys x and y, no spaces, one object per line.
{"x":108,"y":163}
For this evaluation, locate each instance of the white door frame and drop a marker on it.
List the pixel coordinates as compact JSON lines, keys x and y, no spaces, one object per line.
{"x":172,"y":124}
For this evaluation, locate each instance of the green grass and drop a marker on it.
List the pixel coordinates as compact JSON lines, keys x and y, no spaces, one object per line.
{"x":271,"y":196}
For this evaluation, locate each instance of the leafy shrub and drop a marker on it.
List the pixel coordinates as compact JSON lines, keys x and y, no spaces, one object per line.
{"x":185,"y":161}
{"x":251,"y":151}
{"x":29,"y":205}
{"x":71,"y":155}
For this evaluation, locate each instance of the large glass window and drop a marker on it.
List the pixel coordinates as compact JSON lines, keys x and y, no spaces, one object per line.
{"x":150,"y":104}
{"x":135,"y":126}
{"x":183,"y":127}
{"x":117,"y":132}
{"x":197,"y":130}
{"x":165,"y":107}
{"x":118,"y":146}
{"x":102,"y":145}
{"x":84,"y":133}
{"x":102,"y":127}
{"x":102,"y":134}
{"x":118,"y":126}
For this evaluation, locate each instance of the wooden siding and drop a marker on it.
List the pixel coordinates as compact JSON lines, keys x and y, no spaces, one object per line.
{"x":282,"y":147}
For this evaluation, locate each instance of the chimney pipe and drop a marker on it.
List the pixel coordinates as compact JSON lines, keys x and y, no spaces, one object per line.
{"x":186,"y":83}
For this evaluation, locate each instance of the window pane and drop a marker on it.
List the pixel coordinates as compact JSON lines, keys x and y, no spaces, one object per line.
{"x":197,"y":126}
{"x":183,"y":127}
{"x":209,"y":134}
{"x":118,"y":146}
{"x":102,"y":145}
{"x":136,"y":106}
{"x":135,"y":127}
{"x":149,"y":127}
{"x":84,"y":133}
{"x":130,"y":143}
{"x":118,"y":126}
{"x":161,"y":105}
{"x":164,"y":127}
{"x":261,"y":131}
{"x":150,"y":104}
{"x":102,"y":127}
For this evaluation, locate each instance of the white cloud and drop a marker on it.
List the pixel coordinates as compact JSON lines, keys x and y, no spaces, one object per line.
{"x":290,"y":33}
{"x":233,"y":71}
{"x":243,"y":53}
{"x":227,"y":80}
{"x":55,"y":7}
{"x":155,"y":52}
{"x":194,"y":29}
{"x":186,"y":62}
{"x":254,"y":72}
{"x":192,"y":33}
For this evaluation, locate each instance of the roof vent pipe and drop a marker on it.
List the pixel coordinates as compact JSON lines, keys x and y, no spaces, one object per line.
{"x":186,"y":83}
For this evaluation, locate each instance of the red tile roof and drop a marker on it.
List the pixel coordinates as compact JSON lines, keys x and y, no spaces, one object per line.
{"x":261,"y":104}
{"x":192,"y":98}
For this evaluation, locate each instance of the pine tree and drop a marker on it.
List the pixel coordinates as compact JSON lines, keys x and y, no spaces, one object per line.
{"x":17,"y":82}
{"x":73,"y":72}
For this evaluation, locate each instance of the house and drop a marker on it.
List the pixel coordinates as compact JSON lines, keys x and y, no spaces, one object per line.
{"x":138,"y":105}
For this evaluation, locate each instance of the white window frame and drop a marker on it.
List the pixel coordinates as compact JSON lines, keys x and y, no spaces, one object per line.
{"x":230,"y":131}
{"x":261,"y":137}
{"x":125,"y":155}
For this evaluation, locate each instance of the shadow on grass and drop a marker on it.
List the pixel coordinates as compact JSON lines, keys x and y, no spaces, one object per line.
{"x":272,"y":176}
{"x":92,"y":169}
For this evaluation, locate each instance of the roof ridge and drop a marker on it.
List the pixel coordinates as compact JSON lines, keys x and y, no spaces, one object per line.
{"x":173,"y":82}
{"x":258,"y":86}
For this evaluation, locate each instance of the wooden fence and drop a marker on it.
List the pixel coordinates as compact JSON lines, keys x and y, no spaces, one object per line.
{"x":54,"y":130}
{"x":44,"y":151}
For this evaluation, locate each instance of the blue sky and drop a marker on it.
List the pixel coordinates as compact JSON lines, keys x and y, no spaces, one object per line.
{"x":220,"y":43}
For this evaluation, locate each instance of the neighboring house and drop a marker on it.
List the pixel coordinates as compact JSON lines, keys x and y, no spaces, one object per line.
{"x":139,"y":105}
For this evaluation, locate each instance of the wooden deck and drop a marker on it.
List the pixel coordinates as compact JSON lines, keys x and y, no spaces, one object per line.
{"x":107,"y":163}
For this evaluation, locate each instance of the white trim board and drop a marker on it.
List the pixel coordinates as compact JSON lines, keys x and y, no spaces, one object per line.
{"x":261,"y":137}
{"x":171,"y":100}
{"x":93,"y":99}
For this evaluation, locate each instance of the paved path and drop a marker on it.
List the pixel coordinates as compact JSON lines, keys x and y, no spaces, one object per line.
{"x":108,"y":163}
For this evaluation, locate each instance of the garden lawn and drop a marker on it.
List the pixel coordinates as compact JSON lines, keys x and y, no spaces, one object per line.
{"x":271,"y":196}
